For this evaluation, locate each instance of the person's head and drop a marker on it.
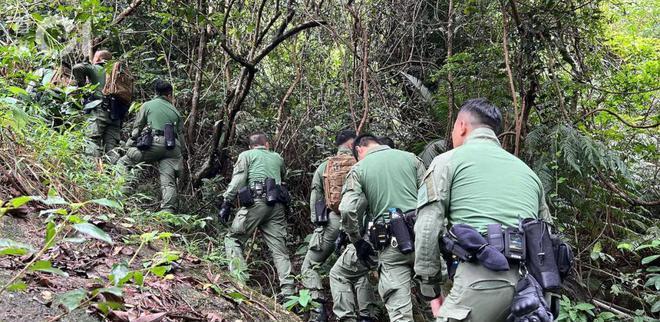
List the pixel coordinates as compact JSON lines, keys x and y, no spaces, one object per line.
{"x":345,"y":138}
{"x":363,"y":144}
{"x":163,"y":88}
{"x":258,"y":139}
{"x":475,"y":113}
{"x":101,"y":56}
{"x":386,"y":140}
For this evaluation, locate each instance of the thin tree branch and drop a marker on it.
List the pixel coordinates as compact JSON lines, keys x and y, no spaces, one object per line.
{"x":292,"y":32}
{"x":636,"y":126}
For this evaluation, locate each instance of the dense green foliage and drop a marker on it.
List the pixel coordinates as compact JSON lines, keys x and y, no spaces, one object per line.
{"x":578,"y":84}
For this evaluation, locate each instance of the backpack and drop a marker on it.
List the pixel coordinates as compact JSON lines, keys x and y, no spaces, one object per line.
{"x":119,"y":83}
{"x":62,"y":77}
{"x":333,"y":179}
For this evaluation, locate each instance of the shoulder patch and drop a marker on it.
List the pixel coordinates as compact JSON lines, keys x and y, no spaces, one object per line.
{"x":427,"y":192}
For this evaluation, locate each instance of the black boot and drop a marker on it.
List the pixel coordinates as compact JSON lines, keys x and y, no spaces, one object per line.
{"x":365,"y":319}
{"x":318,"y":314}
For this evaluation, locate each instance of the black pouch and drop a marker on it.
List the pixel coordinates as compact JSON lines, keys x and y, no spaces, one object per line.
{"x":514,"y":244}
{"x":411,"y":217}
{"x":564,"y":256}
{"x":284,"y":195}
{"x":540,"y":256}
{"x":272,"y":192}
{"x":170,"y":136}
{"x":379,"y":235}
{"x":496,"y":236}
{"x":145,"y":140}
{"x":116,"y":108}
{"x":321,"y":212}
{"x":401,"y":237}
{"x":245,"y":197}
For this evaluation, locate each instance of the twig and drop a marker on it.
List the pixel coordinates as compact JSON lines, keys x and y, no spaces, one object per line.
{"x":609,"y":307}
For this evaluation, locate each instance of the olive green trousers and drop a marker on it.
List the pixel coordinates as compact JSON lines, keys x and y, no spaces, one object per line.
{"x":104,"y":133}
{"x":271,"y":221}
{"x":169,"y":166}
{"x":394,"y":283}
{"x":479,"y":294}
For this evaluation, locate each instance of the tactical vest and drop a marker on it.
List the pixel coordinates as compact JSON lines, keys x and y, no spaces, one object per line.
{"x":333,"y":179}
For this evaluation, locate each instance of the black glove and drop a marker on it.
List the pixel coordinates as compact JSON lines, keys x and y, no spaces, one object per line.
{"x":364,"y":251}
{"x":528,"y":303}
{"x":340,"y":242}
{"x":225,"y":212}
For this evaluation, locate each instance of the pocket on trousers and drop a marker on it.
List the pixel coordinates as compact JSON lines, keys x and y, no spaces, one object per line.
{"x":490,"y":285}
{"x":316,"y":240}
{"x":454,"y":312}
{"x":238,"y":225}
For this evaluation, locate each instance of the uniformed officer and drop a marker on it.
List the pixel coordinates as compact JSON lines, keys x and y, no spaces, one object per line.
{"x":477,"y":183}
{"x":154,"y":116}
{"x":322,"y":242}
{"x":251,"y":171}
{"x":104,"y":132}
{"x":383,"y":179}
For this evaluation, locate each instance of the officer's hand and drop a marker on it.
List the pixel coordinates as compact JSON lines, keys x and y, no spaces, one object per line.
{"x":436,"y":304}
{"x":429,"y":287}
{"x":364,"y":251}
{"x":225,"y":212}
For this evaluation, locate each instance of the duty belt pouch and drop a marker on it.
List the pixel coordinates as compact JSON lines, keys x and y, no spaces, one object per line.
{"x":170,"y":136}
{"x":540,"y":258}
{"x":514,"y":244}
{"x":272,"y":192}
{"x":284,"y":196}
{"x":401,"y":237}
{"x":496,"y":236}
{"x":564,"y":256}
{"x":379,"y":235}
{"x":116,"y":107}
{"x":245,"y":197}
{"x":321,"y":212}
{"x":146,"y":140}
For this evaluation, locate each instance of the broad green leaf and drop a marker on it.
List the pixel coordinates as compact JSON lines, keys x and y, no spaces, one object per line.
{"x":584,"y":307}
{"x":625,"y":246}
{"x":19,"y":286}
{"x":290,"y":304}
{"x":656,"y":307}
{"x":19,"y":201}
{"x":75,"y":240}
{"x":17,"y":90}
{"x":159,"y":270}
{"x":654,"y":281}
{"x":50,"y":234}
{"x":93,"y":231}
{"x":138,"y":278}
{"x":10,"y":247}
{"x":110,"y":290}
{"x":237,"y":296}
{"x":53,"y":200}
{"x":72,"y":299}
{"x":119,"y":274}
{"x":649,"y":259}
{"x":106,"y":202}
{"x":47,"y":266}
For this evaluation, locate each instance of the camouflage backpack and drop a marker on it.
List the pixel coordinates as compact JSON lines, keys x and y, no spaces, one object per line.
{"x":119,"y":83}
{"x":333,"y":179}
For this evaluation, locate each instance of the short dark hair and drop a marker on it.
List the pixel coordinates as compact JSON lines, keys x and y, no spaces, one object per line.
{"x":162,"y":87}
{"x":343,"y":136}
{"x":386,"y":140}
{"x":258,"y":138}
{"x":484,"y":113}
{"x":363,"y":140}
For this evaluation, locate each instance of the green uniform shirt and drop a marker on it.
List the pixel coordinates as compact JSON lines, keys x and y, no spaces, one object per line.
{"x":254,"y":165}
{"x":318,"y":192}
{"x":94,"y":74}
{"x":385,"y":178}
{"x":478,"y":183}
{"x":155,"y":114}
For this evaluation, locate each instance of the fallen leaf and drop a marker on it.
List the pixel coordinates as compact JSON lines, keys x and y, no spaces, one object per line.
{"x":214,"y":317}
{"x":156,"y":317}
{"x":47,"y":295}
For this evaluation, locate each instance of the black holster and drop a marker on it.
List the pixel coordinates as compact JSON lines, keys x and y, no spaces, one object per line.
{"x":170,"y":136}
{"x":541,"y":262}
{"x":245,"y":197}
{"x":379,"y":234}
{"x":115,"y":107}
{"x":401,"y":236}
{"x":321,"y":210}
{"x":145,"y":140}
{"x":563,"y":255}
{"x":272,"y":191}
{"x":284,"y":195}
